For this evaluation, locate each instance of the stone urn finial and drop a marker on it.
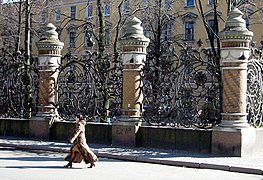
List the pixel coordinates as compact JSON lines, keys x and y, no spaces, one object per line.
{"x":133,"y":30}
{"x":50,"y":32}
{"x":132,"y":34}
{"x":49,"y":42}
{"x":235,"y":27}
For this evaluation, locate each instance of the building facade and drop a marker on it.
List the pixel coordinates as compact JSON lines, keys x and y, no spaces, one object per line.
{"x":178,"y":20}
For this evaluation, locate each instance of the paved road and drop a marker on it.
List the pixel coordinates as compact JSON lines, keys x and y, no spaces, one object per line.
{"x":37,"y":165}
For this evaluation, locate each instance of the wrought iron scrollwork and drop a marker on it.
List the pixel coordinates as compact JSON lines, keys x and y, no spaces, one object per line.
{"x":90,"y":85}
{"x":182,"y":89}
{"x":255,"y":88}
{"x":18,"y":86}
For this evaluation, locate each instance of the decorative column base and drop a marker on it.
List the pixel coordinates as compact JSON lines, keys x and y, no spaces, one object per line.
{"x":233,"y":142}
{"x":39,"y":128}
{"x":234,"y":120}
{"x":124,"y":131}
{"x":40,"y":124}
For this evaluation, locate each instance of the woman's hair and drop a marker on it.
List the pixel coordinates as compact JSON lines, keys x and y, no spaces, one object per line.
{"x":79,"y":116}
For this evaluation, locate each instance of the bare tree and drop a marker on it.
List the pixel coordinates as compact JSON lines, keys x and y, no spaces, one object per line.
{"x":17,"y":21}
{"x":158,"y":18}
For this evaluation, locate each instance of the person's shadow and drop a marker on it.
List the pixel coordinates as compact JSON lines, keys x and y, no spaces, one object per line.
{"x":31,"y":159}
{"x":40,"y":167}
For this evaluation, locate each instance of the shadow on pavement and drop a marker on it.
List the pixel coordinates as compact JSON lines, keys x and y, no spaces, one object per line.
{"x":41,"y":167}
{"x":31,"y":158}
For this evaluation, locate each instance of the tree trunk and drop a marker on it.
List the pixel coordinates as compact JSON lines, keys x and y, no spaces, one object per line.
{"x":101,"y":44}
{"x":101,"y":27}
{"x":27,"y":79}
{"x":18,"y":38}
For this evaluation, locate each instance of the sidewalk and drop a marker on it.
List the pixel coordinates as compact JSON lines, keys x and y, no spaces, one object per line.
{"x":252,"y":164}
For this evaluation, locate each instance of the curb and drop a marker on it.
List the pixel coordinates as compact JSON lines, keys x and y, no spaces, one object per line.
{"x":146,"y":160}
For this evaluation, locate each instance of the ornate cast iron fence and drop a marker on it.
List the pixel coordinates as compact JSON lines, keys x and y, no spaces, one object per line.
{"x":182,"y":89}
{"x":90,"y":85}
{"x":18,"y":86}
{"x":255,"y":88}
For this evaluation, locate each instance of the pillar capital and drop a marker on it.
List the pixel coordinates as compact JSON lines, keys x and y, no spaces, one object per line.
{"x":49,"y":44}
{"x":132,"y":38}
{"x":235,"y":33}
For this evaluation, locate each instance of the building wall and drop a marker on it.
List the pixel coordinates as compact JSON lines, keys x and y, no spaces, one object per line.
{"x":182,"y":13}
{"x":79,"y":25}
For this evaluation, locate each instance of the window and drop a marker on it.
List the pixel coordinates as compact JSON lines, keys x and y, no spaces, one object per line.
{"x":73,"y":12}
{"x":168,"y":4}
{"x":87,"y":39}
{"x":107,"y":10}
{"x":89,"y":11}
{"x":190,"y":3}
{"x":43,"y":18}
{"x":247,"y":22}
{"x":189,"y":31}
{"x":147,"y":33}
{"x":211,"y":2}
{"x":107,"y":37}
{"x":212,"y":27}
{"x":146,"y":3}
{"x":57,"y":15}
{"x":72,"y":39}
{"x":126,"y":7}
{"x":167,"y":34}
{"x":59,"y":31}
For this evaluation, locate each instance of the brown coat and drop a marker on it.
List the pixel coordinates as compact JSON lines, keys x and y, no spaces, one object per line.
{"x":80,"y":149}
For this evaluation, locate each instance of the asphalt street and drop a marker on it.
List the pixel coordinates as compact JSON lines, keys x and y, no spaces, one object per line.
{"x":44,"y":165}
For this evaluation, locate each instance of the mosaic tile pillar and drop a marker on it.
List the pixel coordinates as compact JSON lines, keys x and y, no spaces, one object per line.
{"x":234,"y":132}
{"x":133,"y":44}
{"x":49,"y":49}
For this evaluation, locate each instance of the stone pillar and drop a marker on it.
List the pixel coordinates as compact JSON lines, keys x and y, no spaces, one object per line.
{"x":49,"y":49}
{"x":133,"y":44}
{"x":234,"y":136}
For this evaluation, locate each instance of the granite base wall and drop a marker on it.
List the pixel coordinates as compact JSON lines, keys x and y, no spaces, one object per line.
{"x":14,"y":127}
{"x":176,"y":139}
{"x":95,"y":133}
{"x":148,"y":137}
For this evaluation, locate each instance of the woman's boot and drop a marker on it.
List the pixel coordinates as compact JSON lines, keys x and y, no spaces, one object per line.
{"x":91,"y":165}
{"x":69,"y":165}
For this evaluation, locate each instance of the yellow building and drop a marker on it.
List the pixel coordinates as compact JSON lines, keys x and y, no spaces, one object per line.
{"x":77,"y":20}
{"x":77,"y":23}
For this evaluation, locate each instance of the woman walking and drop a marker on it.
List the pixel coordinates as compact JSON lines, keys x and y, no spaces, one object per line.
{"x":80,"y":149}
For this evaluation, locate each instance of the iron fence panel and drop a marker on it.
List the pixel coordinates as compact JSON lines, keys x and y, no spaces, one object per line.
{"x":182,"y":89}
{"x":18,"y":86}
{"x":89,"y":85}
{"x":255,"y":88}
